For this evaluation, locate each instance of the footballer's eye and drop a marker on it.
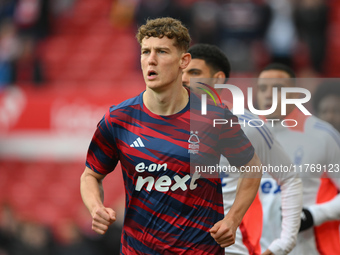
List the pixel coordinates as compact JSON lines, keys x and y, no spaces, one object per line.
{"x":262,"y":88}
{"x":195,"y":72}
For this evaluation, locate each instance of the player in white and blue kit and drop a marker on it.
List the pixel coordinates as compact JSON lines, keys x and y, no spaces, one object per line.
{"x":311,"y":145}
{"x":210,"y":62}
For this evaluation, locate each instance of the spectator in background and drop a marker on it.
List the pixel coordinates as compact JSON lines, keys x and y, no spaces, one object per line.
{"x":204,"y":24}
{"x":62,"y":6}
{"x":43,"y":24}
{"x":326,"y":102}
{"x":8,"y":229}
{"x":110,"y":242}
{"x":33,"y":239}
{"x":9,"y":48}
{"x":281,"y":34}
{"x":122,"y":13}
{"x":151,"y":9}
{"x":311,"y":19}
{"x":7,"y":8}
{"x":27,"y":67}
{"x":243,"y":25}
{"x":71,"y":241}
{"x":32,"y":17}
{"x":26,"y":15}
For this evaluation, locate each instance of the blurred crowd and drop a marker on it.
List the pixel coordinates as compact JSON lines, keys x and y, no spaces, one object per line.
{"x":27,"y":237}
{"x":251,"y":32}
{"x":24,"y":24}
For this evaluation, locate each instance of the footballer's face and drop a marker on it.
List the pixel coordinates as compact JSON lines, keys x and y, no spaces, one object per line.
{"x":197,"y":68}
{"x":268,"y":80}
{"x":162,"y":62}
{"x":329,"y":110}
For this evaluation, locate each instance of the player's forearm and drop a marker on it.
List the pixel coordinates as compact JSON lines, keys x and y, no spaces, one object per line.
{"x":247,"y":188}
{"x":91,"y":190}
{"x":291,"y":204}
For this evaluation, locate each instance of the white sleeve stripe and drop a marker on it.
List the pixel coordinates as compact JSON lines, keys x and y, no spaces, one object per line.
{"x":248,"y":115}
{"x":264,"y":127}
{"x":330,"y":131}
{"x":268,"y":143}
{"x":266,"y":137}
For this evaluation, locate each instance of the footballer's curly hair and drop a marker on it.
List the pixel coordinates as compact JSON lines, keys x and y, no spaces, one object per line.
{"x":169,"y":27}
{"x":213,"y":57}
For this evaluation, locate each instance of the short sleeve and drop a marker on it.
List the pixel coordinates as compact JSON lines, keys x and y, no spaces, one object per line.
{"x":102,"y":155}
{"x":233,"y":142}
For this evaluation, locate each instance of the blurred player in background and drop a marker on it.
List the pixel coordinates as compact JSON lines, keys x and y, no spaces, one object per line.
{"x":208,"y":61}
{"x":168,"y":211}
{"x":326,"y":102}
{"x":311,"y":143}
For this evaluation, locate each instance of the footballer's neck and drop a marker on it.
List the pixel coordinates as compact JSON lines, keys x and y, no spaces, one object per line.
{"x":166,"y":102}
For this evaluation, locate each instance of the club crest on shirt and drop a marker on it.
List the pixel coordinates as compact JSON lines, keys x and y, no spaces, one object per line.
{"x":193,"y":140}
{"x":298,"y":155}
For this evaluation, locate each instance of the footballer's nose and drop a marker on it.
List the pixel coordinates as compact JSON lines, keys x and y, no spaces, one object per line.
{"x":152,"y":60}
{"x":268,"y":93}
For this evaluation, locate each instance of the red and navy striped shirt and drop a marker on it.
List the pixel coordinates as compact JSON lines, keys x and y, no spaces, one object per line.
{"x":168,"y":210}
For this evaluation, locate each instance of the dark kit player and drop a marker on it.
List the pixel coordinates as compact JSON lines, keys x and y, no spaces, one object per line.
{"x":168,"y":210}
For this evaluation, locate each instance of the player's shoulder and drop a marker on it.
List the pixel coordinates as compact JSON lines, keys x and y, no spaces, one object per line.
{"x":314,"y":124}
{"x":137,"y":100}
{"x":248,"y":115}
{"x":251,"y":121}
{"x":255,"y":128}
{"x":214,"y":108}
{"x":321,"y":128}
{"x":123,"y":110}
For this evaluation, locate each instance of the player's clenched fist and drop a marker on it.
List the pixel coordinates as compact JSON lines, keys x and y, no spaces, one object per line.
{"x":224,"y":232}
{"x":102,"y":218}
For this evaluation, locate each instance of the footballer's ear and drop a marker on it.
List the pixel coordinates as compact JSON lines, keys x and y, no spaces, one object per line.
{"x":185,"y":60}
{"x":219,"y":74}
{"x":219,"y":77}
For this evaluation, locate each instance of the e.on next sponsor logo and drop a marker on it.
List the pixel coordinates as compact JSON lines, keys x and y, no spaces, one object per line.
{"x":163,"y":183}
